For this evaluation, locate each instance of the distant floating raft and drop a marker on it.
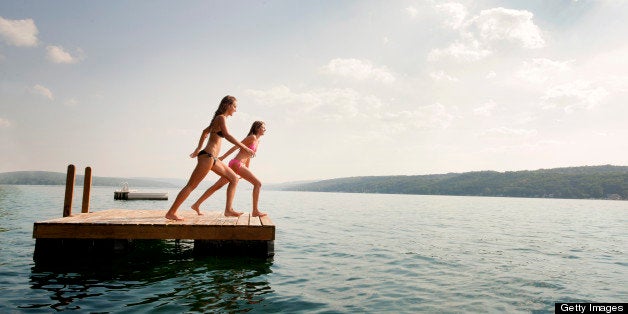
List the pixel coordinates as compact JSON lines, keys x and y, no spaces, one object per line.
{"x":135,"y":195}
{"x":126,"y":194}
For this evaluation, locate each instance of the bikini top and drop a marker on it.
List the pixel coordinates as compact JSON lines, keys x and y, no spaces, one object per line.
{"x":253,"y":147}
{"x":219,"y":133}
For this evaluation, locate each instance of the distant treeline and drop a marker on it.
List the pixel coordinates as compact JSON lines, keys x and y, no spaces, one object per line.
{"x":589,"y":182}
{"x":57,"y":178}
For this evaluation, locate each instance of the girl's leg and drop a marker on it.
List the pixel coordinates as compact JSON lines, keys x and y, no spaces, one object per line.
{"x":257,"y":186}
{"x":219,"y":184}
{"x":224,"y":171}
{"x":203,"y":164}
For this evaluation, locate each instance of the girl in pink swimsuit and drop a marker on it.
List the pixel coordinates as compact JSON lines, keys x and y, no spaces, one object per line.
{"x":240,"y":165}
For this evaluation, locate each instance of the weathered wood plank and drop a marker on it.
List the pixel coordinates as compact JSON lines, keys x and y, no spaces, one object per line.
{"x":243,"y":220}
{"x":266,"y":221}
{"x":255,"y":222}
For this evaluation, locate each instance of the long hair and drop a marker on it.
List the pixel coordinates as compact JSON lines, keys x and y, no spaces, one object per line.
{"x":222,"y":108}
{"x":255,"y":127}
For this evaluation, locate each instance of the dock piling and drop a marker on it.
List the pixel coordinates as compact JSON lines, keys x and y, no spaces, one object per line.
{"x":87,"y":185}
{"x":69,"y":191}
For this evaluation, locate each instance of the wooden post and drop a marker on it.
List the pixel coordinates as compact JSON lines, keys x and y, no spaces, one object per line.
{"x":87,"y":186}
{"x":69,"y":190}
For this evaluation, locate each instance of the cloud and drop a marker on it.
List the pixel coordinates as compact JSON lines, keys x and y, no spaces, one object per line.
{"x":456,"y":14}
{"x":42,"y":91}
{"x":480,"y":33}
{"x":21,"y":33}
{"x":58,"y":54}
{"x":508,"y":132}
{"x":468,"y":51}
{"x":412,"y":11}
{"x":486,"y":109}
{"x":349,"y":105}
{"x":71,"y":102}
{"x":442,"y":76}
{"x":540,"y":70}
{"x":329,"y":104}
{"x":574,"y":95}
{"x":435,"y":116}
{"x":358,"y":69}
{"x":4,"y":123}
{"x":511,"y":25}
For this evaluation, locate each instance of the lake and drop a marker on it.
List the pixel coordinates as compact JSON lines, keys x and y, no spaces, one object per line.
{"x":335,"y":253}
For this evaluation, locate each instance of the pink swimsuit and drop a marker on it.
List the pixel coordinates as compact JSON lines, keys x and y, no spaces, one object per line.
{"x":235,"y":164}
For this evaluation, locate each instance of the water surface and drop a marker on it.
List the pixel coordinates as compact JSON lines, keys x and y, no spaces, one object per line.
{"x":336,"y":253}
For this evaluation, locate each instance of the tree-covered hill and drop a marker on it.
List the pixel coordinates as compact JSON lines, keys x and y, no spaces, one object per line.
{"x":57,"y":178}
{"x":598,"y":182}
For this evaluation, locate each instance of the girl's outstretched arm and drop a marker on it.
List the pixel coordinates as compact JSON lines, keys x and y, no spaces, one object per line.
{"x":221,"y":120}
{"x":200,"y":142}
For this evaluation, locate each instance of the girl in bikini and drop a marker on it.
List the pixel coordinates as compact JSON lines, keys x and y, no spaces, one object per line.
{"x":206,"y":159}
{"x":240,"y":165}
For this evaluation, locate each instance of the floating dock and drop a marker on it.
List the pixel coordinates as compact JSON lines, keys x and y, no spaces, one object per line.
{"x":211,"y":232}
{"x":114,"y":229}
{"x":135,"y":195}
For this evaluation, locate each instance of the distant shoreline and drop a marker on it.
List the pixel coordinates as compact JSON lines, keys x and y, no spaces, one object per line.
{"x":58,"y":178}
{"x":588,"y":182}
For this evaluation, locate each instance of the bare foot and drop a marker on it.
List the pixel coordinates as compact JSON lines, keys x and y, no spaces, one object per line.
{"x":257,"y":213}
{"x":173,"y":217}
{"x":196,"y":209}
{"x":232,"y":213}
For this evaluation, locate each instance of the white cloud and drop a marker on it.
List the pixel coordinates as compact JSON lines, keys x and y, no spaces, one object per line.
{"x":456,"y":14}
{"x":574,"y":95}
{"x":508,"y":132}
{"x":486,"y":109}
{"x":350,"y":105}
{"x":507,"y":24}
{"x":490,"y":75}
{"x":323,"y":103}
{"x":58,"y":54}
{"x":480,"y":34}
{"x":21,"y":33}
{"x":71,"y":102}
{"x":412,"y":11}
{"x":428,"y":117}
{"x":540,"y":70}
{"x":42,"y":91}
{"x":358,"y":69}
{"x":459,"y":51}
{"x":442,"y":76}
{"x":4,"y":123}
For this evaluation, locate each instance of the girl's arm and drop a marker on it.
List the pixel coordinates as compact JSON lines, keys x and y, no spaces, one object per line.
{"x":221,"y":120}
{"x":200,"y":142}
{"x":229,"y":152}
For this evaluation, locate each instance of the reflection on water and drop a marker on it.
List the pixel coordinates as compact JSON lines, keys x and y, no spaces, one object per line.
{"x":163,"y":275}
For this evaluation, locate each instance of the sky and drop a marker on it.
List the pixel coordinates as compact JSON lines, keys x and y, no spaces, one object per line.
{"x":346,"y":88}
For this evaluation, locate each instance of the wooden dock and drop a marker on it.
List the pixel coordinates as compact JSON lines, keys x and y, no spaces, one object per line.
{"x":114,"y":229}
{"x":151,"y":224}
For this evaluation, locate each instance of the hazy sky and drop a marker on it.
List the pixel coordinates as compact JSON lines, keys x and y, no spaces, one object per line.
{"x":346,"y":88}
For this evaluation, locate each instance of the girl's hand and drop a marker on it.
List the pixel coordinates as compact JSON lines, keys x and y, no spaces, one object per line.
{"x":250,"y":151}
{"x":194,"y":153}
